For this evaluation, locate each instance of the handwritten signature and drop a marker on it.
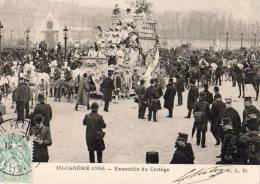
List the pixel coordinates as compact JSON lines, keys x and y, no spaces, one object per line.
{"x":201,"y":175}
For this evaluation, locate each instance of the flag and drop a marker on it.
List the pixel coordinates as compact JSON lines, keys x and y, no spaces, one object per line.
{"x":151,"y":67}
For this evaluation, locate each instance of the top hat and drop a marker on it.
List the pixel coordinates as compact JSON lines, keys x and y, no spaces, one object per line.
{"x":182,"y":136}
{"x":152,"y":157}
{"x":248,"y":99}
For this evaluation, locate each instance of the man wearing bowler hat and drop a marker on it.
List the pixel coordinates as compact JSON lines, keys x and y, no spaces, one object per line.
{"x":44,"y":109}
{"x":94,"y":133}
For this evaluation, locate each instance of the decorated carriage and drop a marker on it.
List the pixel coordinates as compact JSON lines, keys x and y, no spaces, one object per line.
{"x":131,"y":44}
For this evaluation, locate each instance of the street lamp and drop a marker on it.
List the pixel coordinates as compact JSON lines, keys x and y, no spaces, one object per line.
{"x":242,"y":34}
{"x":227,"y":37}
{"x":65,"y":31}
{"x":27,"y":38}
{"x":254,"y":41}
{"x":1,"y":35}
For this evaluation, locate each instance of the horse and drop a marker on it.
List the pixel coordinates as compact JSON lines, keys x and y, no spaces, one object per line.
{"x":195,"y":73}
{"x":243,"y":77}
{"x":39,"y":82}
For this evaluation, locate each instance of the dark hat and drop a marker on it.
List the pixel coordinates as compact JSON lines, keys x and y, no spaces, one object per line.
{"x":152,"y":157}
{"x":41,"y":96}
{"x":182,"y":136}
{"x":170,"y":80}
{"x":38,"y":118}
{"x":216,"y":88}
{"x":85,"y":75}
{"x":248,"y":99}
{"x":228,"y":100}
{"x":152,"y":81}
{"x":192,"y":81}
{"x":206,"y":86}
{"x":94,"y":106}
{"x":142,"y":81}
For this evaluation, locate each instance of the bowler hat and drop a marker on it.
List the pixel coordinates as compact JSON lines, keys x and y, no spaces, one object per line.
{"x":94,"y":106}
{"x":41,"y":97}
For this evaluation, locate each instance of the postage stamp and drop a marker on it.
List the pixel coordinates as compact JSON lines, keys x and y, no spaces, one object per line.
{"x":15,"y":152}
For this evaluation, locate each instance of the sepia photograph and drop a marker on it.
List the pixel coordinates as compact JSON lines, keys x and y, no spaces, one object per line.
{"x":129,"y":82}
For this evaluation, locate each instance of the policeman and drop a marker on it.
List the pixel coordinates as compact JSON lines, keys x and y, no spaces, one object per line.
{"x":251,"y":116}
{"x":140,"y":92}
{"x":183,"y":153}
{"x":230,"y":113}
{"x":216,"y":108}
{"x":209,"y":95}
{"x":151,"y":95}
{"x":201,"y":115}
{"x":229,"y":151}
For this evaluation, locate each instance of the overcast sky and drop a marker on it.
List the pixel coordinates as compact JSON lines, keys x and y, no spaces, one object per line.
{"x":244,"y":9}
{"x":240,"y":8}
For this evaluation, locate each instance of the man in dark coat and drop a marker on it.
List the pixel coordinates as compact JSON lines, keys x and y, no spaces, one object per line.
{"x":251,"y":116}
{"x":180,"y":88}
{"x":107,"y":88}
{"x":216,"y":92}
{"x":209,"y":95}
{"x":201,"y":116}
{"x":95,"y":125}
{"x":22,"y":96}
{"x":140,"y":92}
{"x":192,"y":97}
{"x":151,"y":95}
{"x":183,"y":153}
{"x":43,"y":109}
{"x":230,"y":113}
{"x":216,"y":108}
{"x":218,"y":74}
{"x":83,"y":92}
{"x":169,"y":97}
{"x":42,"y":139}
{"x":229,"y":150}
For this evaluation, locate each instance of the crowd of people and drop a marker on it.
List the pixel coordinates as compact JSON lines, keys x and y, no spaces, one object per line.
{"x":182,"y":67}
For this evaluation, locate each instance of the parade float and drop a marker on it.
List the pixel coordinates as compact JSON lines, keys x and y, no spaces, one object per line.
{"x":130,"y":44}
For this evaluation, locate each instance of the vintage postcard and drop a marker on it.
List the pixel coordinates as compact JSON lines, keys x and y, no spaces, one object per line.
{"x":130,"y":91}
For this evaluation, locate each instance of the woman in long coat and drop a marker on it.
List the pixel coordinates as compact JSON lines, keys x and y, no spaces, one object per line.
{"x":83,"y":93}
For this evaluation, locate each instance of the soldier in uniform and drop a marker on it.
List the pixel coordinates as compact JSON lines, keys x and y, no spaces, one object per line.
{"x":192,"y":97}
{"x":180,"y":88}
{"x":229,"y":151}
{"x":140,"y":92}
{"x":216,"y":108}
{"x":209,"y":95}
{"x":169,"y":97}
{"x":230,"y":113}
{"x":251,"y":116}
{"x":183,"y":153}
{"x":151,"y":95}
{"x":202,"y":116}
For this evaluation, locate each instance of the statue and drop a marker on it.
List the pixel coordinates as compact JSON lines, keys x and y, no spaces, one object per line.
{"x":116,"y":11}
